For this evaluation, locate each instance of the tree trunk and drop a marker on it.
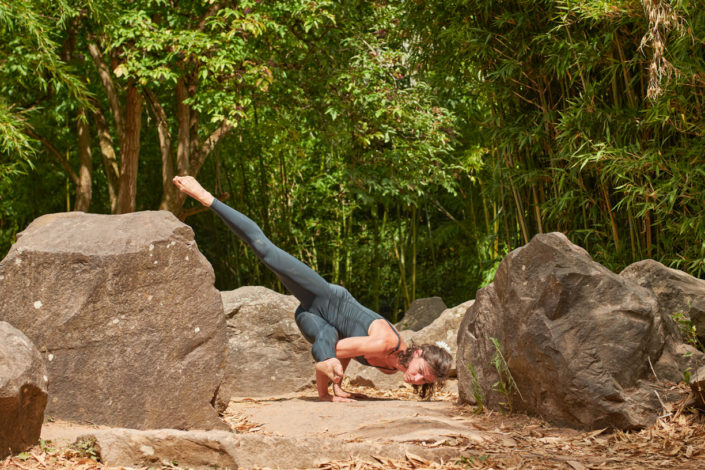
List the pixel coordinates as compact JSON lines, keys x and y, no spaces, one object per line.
{"x":169,"y":191}
{"x":129,"y":154}
{"x":84,"y":189}
{"x":110,"y":164}
{"x":110,"y":88}
{"x":183,"y":117}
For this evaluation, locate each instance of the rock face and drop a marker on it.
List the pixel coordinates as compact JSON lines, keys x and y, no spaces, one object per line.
{"x":421,"y":313}
{"x":676,"y":291}
{"x":444,"y":328}
{"x":697,"y":387}
{"x":125,"y":314}
{"x":578,"y":340}
{"x":23,"y":391}
{"x":267,"y":353}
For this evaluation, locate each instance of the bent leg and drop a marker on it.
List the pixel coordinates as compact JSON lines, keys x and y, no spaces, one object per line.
{"x":303,"y":282}
{"x":318,"y":332}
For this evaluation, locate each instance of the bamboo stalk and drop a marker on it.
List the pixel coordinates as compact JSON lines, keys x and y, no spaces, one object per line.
{"x":625,"y":73}
{"x":375,"y":249}
{"x":647,"y":229}
{"x":536,"y":208}
{"x":613,"y":223}
{"x":402,"y":274}
{"x":520,"y":216}
{"x":348,"y":250}
{"x":632,"y":240}
{"x":399,"y":253}
{"x":413,"y":252}
{"x":336,"y":249}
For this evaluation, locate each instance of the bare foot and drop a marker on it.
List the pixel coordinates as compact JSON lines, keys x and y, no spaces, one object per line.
{"x":188,"y":185}
{"x":332,"y":368}
{"x":336,"y":399}
{"x":339,"y":392}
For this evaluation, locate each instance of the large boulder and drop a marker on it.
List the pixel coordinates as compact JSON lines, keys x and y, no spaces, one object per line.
{"x":559,"y":335}
{"x":125,"y":313}
{"x":676,"y":291}
{"x":23,"y":391}
{"x":421,"y":313}
{"x":267,"y":353}
{"x":444,"y":328}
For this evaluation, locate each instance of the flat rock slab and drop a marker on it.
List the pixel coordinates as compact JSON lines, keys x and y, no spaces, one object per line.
{"x":290,"y":432}
{"x":208,"y":449}
{"x":372,"y":420}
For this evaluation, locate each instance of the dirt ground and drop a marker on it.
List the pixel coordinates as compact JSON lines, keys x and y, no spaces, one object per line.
{"x":483,"y":439}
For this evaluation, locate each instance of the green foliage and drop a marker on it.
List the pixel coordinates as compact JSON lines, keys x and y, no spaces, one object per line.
{"x":473,"y":461}
{"x":690,"y":336}
{"x":591,"y":113}
{"x":29,"y":64}
{"x":477,"y":392}
{"x":688,"y":330}
{"x":401,"y":149}
{"x":505,"y":386}
{"x":86,"y":447}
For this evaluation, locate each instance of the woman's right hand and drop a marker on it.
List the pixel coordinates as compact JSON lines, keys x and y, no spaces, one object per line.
{"x":332,"y":368}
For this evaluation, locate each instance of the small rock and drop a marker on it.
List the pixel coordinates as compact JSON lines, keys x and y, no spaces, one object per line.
{"x":23,"y":391}
{"x":421,"y":313}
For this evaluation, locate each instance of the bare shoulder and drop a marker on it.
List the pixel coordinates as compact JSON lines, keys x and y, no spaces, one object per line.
{"x":382,"y":330}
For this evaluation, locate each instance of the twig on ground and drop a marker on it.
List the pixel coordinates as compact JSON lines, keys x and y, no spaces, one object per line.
{"x":652,"y":369}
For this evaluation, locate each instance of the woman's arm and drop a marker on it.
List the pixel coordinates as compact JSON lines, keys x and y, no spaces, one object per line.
{"x":366,"y":345}
{"x":325,"y":371}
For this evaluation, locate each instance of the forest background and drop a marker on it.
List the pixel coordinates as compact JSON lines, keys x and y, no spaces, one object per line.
{"x":400,"y":148}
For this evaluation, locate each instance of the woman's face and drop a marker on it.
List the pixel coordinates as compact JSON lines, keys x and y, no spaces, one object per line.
{"x":418,"y":372}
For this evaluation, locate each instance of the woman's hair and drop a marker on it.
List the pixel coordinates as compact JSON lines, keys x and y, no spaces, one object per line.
{"x":438,"y":359}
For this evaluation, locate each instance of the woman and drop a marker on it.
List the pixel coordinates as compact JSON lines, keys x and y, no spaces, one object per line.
{"x":338,"y":327}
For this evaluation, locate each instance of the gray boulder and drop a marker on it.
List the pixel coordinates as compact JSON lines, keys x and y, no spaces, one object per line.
{"x":676,"y":291}
{"x":125,"y":314}
{"x":421,"y":313}
{"x":23,"y":391}
{"x":444,"y":328}
{"x":582,"y":344}
{"x":267,"y":354}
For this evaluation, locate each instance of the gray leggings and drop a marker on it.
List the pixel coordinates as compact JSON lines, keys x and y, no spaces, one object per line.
{"x":327,"y":311}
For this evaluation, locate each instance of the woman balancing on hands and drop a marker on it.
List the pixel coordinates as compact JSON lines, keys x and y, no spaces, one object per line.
{"x":337,"y":325}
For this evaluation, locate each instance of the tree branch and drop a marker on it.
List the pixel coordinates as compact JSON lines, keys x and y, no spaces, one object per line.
{"x":55,"y":153}
{"x":197,"y":210}
{"x":209,"y":145}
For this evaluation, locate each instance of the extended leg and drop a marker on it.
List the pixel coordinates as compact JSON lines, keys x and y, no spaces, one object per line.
{"x":299,"y":279}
